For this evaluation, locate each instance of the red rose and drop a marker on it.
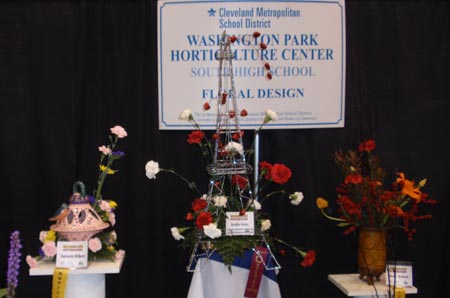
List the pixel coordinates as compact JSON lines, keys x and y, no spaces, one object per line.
{"x":262,"y":45}
{"x":269,"y":75}
{"x":256,"y":34}
{"x":195,"y":137}
{"x":233,"y":38}
{"x":189,"y":216}
{"x":206,"y":106}
{"x":244,"y":113}
{"x":242,"y":212}
{"x":265,"y":169}
{"x":267,"y":65}
{"x":199,"y":204}
{"x":309,"y":259}
{"x":280,"y":173}
{"x":232,"y":114}
{"x":203,"y":219}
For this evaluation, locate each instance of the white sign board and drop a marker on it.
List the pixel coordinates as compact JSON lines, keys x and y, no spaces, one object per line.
{"x":305,"y":49}
{"x":237,"y":224}
{"x":72,"y":254}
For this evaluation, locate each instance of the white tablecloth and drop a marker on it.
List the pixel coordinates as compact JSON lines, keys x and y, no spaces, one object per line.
{"x":212,"y":279}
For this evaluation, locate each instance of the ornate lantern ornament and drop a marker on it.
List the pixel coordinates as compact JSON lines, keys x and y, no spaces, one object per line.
{"x":78,"y":221}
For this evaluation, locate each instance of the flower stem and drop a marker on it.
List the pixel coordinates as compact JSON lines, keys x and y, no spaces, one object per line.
{"x":190,"y":184}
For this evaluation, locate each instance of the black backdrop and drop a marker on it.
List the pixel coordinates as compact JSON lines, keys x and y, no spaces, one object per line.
{"x":70,"y":70}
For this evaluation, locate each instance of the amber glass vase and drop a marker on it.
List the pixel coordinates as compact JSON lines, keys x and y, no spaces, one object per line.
{"x":371,"y":253}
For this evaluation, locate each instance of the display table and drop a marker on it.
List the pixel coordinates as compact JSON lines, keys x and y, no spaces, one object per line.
{"x":86,"y":283}
{"x":212,"y":278}
{"x":352,"y":286}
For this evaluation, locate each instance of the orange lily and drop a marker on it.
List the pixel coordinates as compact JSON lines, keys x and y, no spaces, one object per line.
{"x":408,"y":188}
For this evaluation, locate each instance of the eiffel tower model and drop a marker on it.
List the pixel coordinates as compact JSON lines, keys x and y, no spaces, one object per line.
{"x":229,"y":175}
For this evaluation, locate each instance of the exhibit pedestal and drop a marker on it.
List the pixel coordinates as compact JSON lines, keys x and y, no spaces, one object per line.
{"x":352,"y":286}
{"x":86,"y":283}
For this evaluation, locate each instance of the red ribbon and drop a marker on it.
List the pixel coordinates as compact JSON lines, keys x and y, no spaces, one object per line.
{"x":256,"y":272}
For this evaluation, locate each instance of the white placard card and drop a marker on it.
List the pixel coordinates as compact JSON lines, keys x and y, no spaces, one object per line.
{"x":72,"y":254}
{"x":237,"y":224}
{"x":305,"y":49}
{"x":399,"y":274}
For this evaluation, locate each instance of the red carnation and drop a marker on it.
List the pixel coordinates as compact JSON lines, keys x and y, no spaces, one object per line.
{"x":353,"y":178}
{"x":195,"y":137}
{"x":280,"y":173}
{"x":368,"y":146}
{"x":309,"y":259}
{"x":203,"y":219}
{"x":265,"y":169}
{"x":199,"y":204}
{"x":189,"y":216}
{"x":242,"y":212}
{"x":206,"y":106}
{"x":233,"y":38}
{"x":239,"y":180}
{"x":244,"y":113}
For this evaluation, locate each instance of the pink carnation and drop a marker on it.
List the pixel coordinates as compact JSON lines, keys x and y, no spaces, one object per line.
{"x":112,"y":218}
{"x":95,"y":244}
{"x":49,"y":249}
{"x":119,"y":131}
{"x":105,"y":150}
{"x":32,"y":262}
{"x":119,"y":254}
{"x":105,"y":206}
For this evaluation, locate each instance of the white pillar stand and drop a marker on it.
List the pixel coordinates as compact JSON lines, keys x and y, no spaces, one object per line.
{"x":86,"y":283}
{"x":86,"y":286}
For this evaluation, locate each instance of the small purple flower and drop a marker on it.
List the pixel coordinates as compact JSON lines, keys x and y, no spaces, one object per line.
{"x":118,"y":153}
{"x":91,"y":199}
{"x":13,"y":263}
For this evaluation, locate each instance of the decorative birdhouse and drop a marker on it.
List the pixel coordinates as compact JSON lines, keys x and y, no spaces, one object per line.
{"x":78,"y":221}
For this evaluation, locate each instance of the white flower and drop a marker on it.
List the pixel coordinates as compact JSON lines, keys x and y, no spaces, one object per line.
{"x":270,"y":116}
{"x":151,"y":169}
{"x":185,"y":115}
{"x":176,"y":233}
{"x":265,"y":224}
{"x":296,"y":197}
{"x":212,"y":231}
{"x":220,"y":201}
{"x":204,"y":197}
{"x":256,"y":205}
{"x":234,"y":147}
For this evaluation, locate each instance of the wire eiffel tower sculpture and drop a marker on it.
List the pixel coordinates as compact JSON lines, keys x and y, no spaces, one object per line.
{"x":229,"y":171}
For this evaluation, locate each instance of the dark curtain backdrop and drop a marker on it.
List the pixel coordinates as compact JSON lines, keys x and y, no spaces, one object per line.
{"x":70,"y":70}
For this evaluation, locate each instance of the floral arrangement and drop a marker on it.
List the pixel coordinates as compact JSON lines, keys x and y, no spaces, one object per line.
{"x":102,"y":245}
{"x":12,"y":274}
{"x":206,"y":218}
{"x":363,"y":199}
